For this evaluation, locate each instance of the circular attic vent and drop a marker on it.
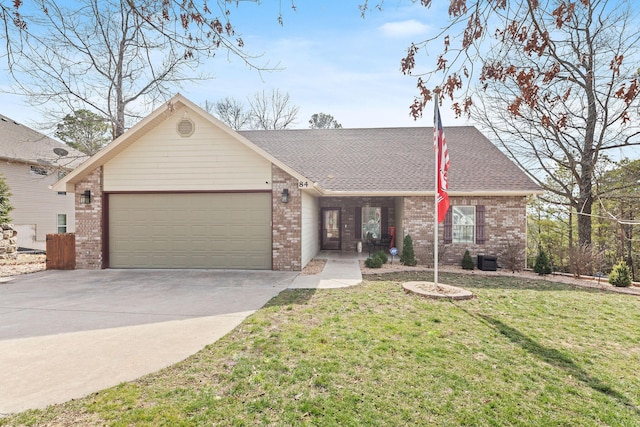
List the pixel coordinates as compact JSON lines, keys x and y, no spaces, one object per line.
{"x":186,"y":128}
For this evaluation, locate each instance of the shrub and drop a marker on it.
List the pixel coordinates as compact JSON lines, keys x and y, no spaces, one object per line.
{"x":512,"y":256}
{"x":584,"y":260}
{"x":620,"y":276}
{"x":382,"y":255}
{"x":542,"y":266}
{"x":374,"y":261}
{"x":408,"y":257}
{"x":5,"y":204}
{"x":467,"y":261}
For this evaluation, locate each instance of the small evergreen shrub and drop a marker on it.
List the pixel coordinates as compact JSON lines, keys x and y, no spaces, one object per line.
{"x":542,"y":266}
{"x":467,"y":261}
{"x":382,"y":255}
{"x":374,"y":261}
{"x":408,"y":257}
{"x":620,"y":276}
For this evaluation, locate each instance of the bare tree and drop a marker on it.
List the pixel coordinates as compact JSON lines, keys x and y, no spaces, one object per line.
{"x":268,"y":112}
{"x":559,"y":95}
{"x":231,"y":112}
{"x":117,"y":58}
{"x":272,"y":111}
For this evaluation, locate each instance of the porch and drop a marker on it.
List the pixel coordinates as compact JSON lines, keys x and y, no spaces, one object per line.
{"x":349,"y":223}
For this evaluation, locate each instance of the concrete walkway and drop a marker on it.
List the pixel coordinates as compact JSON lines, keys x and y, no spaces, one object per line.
{"x":342,"y":270}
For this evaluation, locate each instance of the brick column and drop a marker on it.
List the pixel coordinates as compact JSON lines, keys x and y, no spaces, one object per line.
{"x":286,"y":222}
{"x":89,"y":223}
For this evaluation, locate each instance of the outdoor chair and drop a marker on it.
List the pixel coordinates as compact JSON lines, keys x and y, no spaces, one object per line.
{"x":383,"y":243}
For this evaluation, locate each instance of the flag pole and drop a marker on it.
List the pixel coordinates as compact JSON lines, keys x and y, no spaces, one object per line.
{"x":436,"y":113}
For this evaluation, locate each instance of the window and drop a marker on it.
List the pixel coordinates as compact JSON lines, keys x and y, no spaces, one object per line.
{"x":62,"y":223}
{"x":61,"y":175}
{"x":464,"y":224}
{"x":371,"y":222}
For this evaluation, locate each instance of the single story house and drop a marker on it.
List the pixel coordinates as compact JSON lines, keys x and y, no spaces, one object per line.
{"x":182,"y":190}
{"x":31,"y":162}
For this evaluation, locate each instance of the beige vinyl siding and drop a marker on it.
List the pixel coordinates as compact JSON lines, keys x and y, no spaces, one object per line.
{"x":210,"y":159}
{"x":36,"y":207}
{"x":310,"y":227}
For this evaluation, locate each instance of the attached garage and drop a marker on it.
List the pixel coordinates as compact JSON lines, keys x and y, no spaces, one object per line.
{"x":190,"y":230}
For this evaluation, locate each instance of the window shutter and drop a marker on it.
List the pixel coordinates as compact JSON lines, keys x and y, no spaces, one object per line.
{"x":480,"y":224}
{"x":358,"y":221}
{"x":384,"y":221}
{"x":448,"y":226}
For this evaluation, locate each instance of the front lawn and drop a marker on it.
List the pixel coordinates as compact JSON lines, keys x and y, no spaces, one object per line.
{"x":522,"y":353}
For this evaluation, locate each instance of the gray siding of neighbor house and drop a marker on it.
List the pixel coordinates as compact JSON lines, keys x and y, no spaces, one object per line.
{"x":36,"y":207}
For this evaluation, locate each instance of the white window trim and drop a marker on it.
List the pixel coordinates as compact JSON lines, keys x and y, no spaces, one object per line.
{"x":367,"y":226}
{"x":59,"y":226}
{"x":456,"y":233}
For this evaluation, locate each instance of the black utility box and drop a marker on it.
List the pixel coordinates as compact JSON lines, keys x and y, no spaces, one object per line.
{"x":487,"y":263}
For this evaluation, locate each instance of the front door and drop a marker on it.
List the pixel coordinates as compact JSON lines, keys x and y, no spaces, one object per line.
{"x":331,"y":228}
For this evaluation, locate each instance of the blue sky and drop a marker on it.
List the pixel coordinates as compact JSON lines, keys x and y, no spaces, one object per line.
{"x":331,"y":60}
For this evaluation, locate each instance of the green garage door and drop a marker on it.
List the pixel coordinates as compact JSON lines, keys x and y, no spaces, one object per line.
{"x":201,"y":230}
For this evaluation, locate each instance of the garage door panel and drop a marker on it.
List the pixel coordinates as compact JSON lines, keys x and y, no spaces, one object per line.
{"x":190,"y":230}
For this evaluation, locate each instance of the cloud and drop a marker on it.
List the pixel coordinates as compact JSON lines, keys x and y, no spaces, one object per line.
{"x":408,"y":28}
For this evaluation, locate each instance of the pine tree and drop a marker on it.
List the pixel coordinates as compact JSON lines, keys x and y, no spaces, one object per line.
{"x":407,"y":257}
{"x":542,"y":265}
{"x":467,"y":261}
{"x":620,"y":275}
{"x":5,"y":204}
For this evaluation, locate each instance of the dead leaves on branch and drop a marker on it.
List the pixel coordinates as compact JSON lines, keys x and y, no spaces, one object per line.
{"x":628,"y":93}
{"x":525,"y":32}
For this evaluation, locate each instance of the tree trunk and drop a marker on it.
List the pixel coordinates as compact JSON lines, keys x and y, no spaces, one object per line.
{"x":584,"y":221}
{"x":570,"y":226}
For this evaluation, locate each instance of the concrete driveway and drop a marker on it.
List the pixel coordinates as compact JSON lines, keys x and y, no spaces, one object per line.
{"x":65,"y":334}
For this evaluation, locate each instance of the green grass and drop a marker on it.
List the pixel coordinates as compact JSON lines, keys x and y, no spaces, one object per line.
{"x":523,"y":353}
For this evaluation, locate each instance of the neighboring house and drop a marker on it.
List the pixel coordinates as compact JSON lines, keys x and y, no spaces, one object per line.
{"x":32,"y":162}
{"x":182,"y":190}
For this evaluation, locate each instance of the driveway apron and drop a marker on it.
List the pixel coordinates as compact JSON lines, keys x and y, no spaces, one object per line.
{"x":66,"y":334}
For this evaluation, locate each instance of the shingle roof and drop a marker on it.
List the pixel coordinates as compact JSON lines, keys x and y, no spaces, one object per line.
{"x":23,"y":144}
{"x":392,"y":159}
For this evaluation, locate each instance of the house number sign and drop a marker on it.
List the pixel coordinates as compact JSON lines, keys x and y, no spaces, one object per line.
{"x":303,"y":184}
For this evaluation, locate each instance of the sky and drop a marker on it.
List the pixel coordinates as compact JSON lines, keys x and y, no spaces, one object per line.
{"x":327,"y":58}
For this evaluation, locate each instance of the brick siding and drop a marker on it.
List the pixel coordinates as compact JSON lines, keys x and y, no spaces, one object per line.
{"x":286,"y":222}
{"x":89,"y":223}
{"x":505,"y":223}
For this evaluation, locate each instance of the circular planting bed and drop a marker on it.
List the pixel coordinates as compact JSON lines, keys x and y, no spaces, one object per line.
{"x":431,"y":290}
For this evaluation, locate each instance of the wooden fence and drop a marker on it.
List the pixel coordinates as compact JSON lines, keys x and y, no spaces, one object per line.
{"x":61,"y":251}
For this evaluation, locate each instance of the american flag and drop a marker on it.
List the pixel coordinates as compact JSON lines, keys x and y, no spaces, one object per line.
{"x":442,"y":154}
